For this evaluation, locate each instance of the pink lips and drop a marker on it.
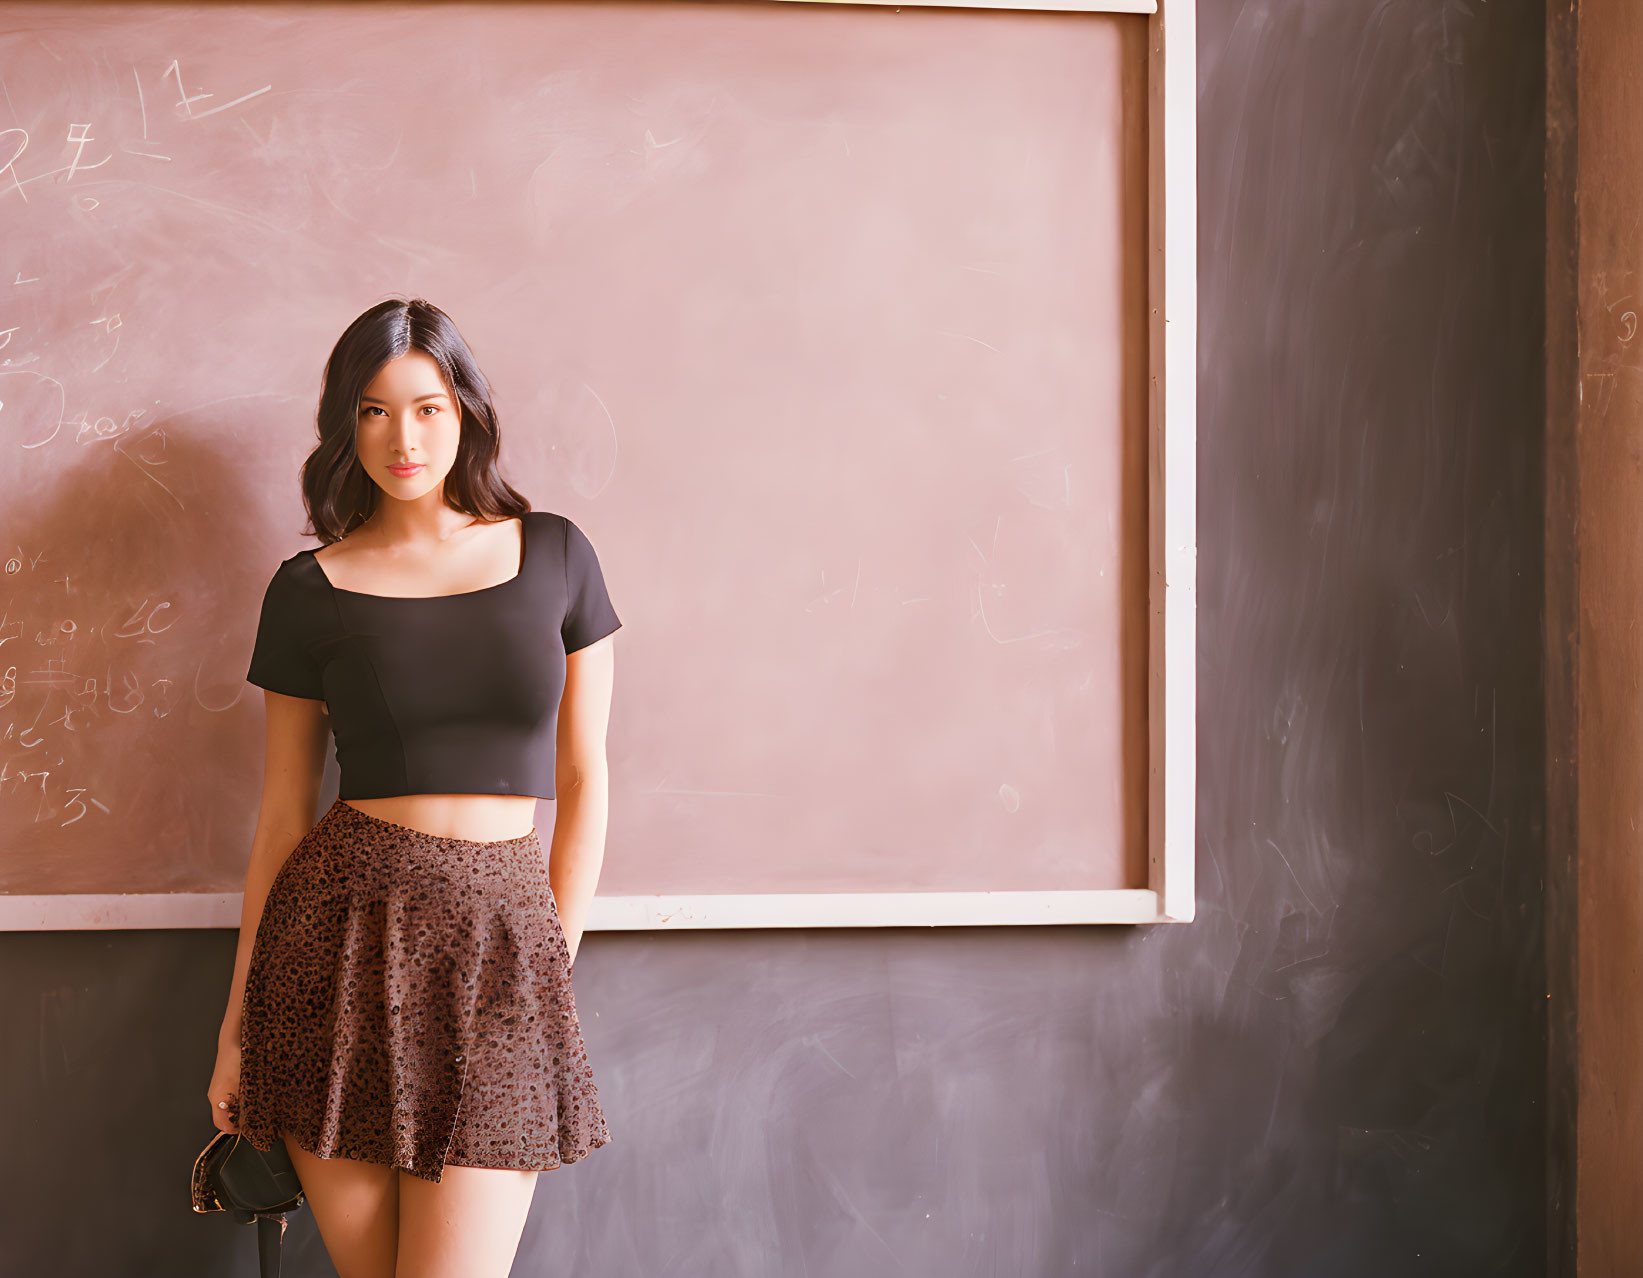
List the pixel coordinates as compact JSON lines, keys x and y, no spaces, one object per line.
{"x":410,"y":469}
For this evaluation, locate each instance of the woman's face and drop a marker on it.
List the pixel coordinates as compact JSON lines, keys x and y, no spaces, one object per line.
{"x":409,"y":427}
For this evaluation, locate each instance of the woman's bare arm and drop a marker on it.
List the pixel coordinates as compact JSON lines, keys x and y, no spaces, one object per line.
{"x":581,"y":785}
{"x":293,"y":766}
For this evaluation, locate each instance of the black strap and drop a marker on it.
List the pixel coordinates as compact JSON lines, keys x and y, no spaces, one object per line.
{"x":270,"y":1233}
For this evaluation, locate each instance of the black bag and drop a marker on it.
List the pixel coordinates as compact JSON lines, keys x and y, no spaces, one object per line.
{"x":233,"y":1175}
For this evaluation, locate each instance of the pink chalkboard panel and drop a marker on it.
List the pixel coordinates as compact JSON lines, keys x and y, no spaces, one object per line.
{"x":827,"y":324}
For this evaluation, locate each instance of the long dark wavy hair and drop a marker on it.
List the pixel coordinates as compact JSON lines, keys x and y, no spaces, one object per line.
{"x":336,"y":490}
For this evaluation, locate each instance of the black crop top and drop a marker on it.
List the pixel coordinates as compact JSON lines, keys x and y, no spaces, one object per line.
{"x":443,"y":694}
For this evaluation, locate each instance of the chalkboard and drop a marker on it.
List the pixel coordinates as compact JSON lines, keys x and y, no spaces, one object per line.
{"x":838,"y":330}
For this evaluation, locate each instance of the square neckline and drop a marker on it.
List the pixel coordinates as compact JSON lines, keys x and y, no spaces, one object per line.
{"x":524,"y":554}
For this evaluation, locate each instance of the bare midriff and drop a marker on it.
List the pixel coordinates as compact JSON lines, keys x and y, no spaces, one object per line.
{"x":478,"y":818}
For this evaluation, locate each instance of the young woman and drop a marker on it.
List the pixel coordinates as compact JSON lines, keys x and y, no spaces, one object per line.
{"x":401,"y":1013}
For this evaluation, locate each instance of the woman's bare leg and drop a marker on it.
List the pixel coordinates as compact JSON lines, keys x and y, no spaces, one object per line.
{"x":466,"y":1226}
{"x":356,"y":1206}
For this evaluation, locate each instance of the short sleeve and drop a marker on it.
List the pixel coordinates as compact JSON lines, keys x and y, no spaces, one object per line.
{"x":280,"y":661}
{"x":589,"y":614}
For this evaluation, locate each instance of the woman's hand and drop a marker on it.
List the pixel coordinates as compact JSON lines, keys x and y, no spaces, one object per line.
{"x":225,"y":1087}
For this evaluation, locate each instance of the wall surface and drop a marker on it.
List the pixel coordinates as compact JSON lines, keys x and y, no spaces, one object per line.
{"x":1339,"y":1068}
{"x":1594,"y":606}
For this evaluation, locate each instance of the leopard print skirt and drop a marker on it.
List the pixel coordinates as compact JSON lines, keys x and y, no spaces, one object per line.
{"x":409,"y":1002}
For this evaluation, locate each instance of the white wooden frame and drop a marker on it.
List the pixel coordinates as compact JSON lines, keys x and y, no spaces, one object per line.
{"x":1172,"y":298}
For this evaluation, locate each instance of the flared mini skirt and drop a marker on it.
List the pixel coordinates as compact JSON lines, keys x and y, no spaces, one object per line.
{"x":409,"y":1002}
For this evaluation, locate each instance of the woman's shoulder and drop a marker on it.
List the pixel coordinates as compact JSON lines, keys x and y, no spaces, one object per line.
{"x":557,"y":520}
{"x":561,"y":529}
{"x":340,"y":548}
{"x":296,"y":577}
